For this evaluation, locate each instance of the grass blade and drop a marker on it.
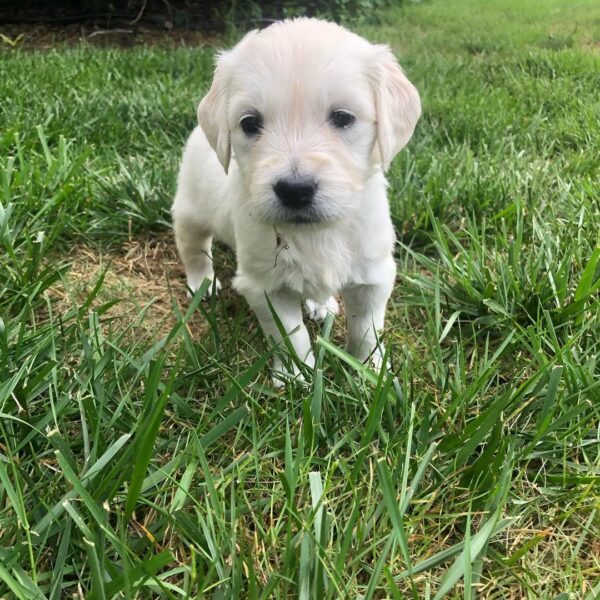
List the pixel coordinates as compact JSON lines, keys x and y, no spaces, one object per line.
{"x":146,"y":435}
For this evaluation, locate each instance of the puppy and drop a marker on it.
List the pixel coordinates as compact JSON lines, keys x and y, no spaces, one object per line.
{"x":287,"y":168}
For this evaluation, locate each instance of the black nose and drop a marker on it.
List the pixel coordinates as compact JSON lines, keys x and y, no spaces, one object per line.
{"x":295,"y":194}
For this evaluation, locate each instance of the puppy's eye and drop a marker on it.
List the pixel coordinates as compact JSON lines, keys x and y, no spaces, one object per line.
{"x":251,"y":124}
{"x":341,"y":119}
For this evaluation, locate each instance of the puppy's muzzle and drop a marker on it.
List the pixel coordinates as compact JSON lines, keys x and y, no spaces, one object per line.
{"x":295,"y":194}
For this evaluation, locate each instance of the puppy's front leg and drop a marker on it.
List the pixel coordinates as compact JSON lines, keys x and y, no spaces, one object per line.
{"x":194,"y":245}
{"x":288,"y":308}
{"x":365,"y":313}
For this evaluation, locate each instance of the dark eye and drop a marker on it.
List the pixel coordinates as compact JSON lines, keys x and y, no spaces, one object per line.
{"x":251,"y":124}
{"x":341,"y":119}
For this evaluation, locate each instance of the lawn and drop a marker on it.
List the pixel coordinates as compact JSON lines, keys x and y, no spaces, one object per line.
{"x":143,"y":450}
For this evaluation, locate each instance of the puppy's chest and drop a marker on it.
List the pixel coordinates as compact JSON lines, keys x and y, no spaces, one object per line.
{"x":315,"y":266}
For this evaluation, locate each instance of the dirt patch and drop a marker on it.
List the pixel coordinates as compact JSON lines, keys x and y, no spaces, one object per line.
{"x":121,"y":23}
{"x":42,"y":36}
{"x":144,"y":276}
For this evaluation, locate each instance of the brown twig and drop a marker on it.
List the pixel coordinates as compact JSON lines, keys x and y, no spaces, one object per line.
{"x":104,"y":31}
{"x":139,"y":16}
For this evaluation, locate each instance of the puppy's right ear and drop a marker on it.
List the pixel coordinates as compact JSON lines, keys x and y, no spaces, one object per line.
{"x":212,"y":112}
{"x":214,"y":107}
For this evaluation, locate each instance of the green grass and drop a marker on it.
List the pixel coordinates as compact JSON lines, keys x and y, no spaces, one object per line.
{"x":144,"y":453}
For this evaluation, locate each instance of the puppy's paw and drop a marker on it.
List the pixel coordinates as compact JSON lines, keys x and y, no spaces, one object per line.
{"x":279,"y":379}
{"x":281,"y":374}
{"x":373,"y":359}
{"x":317,"y":311}
{"x":376,"y":361}
{"x":215,"y":286}
{"x":195,"y":281}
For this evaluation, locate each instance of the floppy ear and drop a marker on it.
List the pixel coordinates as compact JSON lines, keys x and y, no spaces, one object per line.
{"x":213,"y":109}
{"x":212,"y":113}
{"x":397,"y":105}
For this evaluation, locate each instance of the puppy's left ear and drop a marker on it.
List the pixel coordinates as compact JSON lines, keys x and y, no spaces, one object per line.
{"x":212,"y":113}
{"x":397,"y":104}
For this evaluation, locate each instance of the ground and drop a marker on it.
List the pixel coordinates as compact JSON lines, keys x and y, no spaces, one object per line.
{"x":143,"y":451}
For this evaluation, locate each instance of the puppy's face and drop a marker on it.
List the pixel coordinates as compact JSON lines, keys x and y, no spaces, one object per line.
{"x":308,"y":110}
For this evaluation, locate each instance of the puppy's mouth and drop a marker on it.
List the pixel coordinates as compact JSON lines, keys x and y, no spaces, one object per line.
{"x":308,"y":215}
{"x":303,"y":217}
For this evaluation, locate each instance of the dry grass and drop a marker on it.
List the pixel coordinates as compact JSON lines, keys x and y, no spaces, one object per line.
{"x":144,"y":273}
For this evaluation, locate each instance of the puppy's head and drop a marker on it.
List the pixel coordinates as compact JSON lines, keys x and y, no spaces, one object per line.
{"x":308,"y":110}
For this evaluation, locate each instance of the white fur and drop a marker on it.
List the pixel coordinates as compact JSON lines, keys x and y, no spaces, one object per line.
{"x":294,"y":74}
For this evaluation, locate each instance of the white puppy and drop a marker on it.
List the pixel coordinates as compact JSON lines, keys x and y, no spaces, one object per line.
{"x":287,"y":168}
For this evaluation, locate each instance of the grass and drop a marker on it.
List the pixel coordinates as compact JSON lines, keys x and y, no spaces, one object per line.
{"x":143,"y":452}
